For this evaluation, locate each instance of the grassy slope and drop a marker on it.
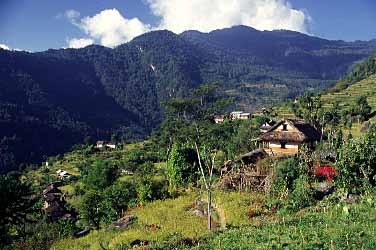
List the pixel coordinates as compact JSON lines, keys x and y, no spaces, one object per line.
{"x":173,"y":217}
{"x":321,"y":227}
{"x":324,"y":226}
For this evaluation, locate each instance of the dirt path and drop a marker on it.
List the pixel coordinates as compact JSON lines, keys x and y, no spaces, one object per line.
{"x":221,"y":214}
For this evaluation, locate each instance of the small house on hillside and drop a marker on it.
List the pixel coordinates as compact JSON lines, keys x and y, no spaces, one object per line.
{"x":240,"y":115}
{"x":287,"y":135}
{"x":107,"y":144}
{"x":100,"y":144}
{"x":54,"y":203}
{"x":111,"y":144}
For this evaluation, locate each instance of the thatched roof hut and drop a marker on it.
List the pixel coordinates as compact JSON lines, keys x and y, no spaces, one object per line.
{"x":301,"y":132}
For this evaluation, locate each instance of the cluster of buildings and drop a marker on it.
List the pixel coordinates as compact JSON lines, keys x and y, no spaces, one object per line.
{"x":235,"y":115}
{"x":54,"y":203}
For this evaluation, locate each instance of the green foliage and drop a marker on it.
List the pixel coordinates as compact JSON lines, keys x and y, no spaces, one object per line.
{"x":144,"y":182}
{"x":362,"y":70}
{"x":16,"y":204}
{"x":322,"y":227}
{"x":66,"y":227}
{"x":339,"y":139}
{"x":309,"y":107}
{"x":361,"y":108}
{"x":181,"y":166}
{"x":301,"y":195}
{"x":91,"y":208}
{"x":357,"y":163}
{"x":287,"y":171}
{"x":101,"y":174}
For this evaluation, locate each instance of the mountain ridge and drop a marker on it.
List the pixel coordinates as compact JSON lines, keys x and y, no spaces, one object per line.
{"x":94,"y":92}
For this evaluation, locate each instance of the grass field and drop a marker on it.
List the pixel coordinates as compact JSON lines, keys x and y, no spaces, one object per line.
{"x":172,"y":217}
{"x":327,"y":225}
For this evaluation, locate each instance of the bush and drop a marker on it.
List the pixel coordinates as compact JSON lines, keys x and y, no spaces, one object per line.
{"x":356,"y":163}
{"x":181,"y":166}
{"x":301,"y":195}
{"x":286,"y":172}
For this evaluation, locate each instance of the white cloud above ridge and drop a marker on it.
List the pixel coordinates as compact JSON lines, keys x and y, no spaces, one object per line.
{"x":77,"y":43}
{"x":208,"y":15}
{"x":110,"y":28}
{"x":6,"y":47}
{"x":3,"y":46}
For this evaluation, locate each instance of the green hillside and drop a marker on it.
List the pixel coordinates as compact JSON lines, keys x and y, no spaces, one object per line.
{"x":360,"y":82}
{"x":346,"y":97}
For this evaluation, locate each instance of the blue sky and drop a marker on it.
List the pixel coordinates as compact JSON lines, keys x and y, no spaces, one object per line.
{"x":41,"y":24}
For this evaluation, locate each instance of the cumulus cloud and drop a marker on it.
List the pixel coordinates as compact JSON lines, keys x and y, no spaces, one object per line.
{"x":110,"y":27}
{"x":207,"y":15}
{"x":77,"y":43}
{"x":3,"y":46}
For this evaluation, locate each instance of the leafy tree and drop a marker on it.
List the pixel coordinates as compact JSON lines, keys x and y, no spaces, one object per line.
{"x":91,"y":208}
{"x":181,"y":166}
{"x":206,"y":138}
{"x":361,"y":108}
{"x":144,"y":182}
{"x":16,"y":203}
{"x":308,"y":107}
{"x":357,"y":162}
{"x":101,"y":174}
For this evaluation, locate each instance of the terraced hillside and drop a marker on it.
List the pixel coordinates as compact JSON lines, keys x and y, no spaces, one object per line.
{"x":346,"y":97}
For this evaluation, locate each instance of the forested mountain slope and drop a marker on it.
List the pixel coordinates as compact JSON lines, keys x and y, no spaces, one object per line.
{"x":53,"y":99}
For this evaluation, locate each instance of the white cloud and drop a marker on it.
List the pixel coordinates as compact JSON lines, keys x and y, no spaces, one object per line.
{"x":110,"y":27}
{"x":77,"y":43}
{"x":3,"y":46}
{"x":207,"y":15}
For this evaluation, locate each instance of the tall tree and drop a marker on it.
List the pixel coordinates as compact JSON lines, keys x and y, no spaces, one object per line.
{"x":16,"y":203}
{"x":197,"y":130}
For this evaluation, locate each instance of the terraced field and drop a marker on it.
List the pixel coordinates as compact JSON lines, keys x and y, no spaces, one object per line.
{"x":344,"y":98}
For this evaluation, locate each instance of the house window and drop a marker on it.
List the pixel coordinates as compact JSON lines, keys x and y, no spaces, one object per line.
{"x":284,"y":127}
{"x":283,"y":144}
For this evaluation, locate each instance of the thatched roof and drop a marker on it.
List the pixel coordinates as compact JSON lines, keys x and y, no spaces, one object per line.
{"x":304,"y":132}
{"x":254,"y":156}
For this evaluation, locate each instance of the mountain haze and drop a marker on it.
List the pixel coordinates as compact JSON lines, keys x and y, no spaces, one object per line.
{"x":51,"y":100}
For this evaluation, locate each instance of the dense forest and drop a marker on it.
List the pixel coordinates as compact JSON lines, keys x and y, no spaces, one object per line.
{"x":54,"y":99}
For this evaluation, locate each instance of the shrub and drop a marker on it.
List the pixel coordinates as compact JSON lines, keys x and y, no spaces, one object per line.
{"x":301,"y":195}
{"x":356,"y":163}
{"x":181,"y":166}
{"x":287,"y":171}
